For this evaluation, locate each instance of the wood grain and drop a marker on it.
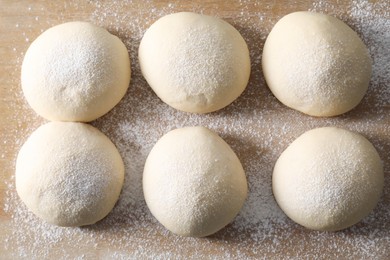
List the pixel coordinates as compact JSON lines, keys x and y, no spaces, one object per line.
{"x":22,"y":21}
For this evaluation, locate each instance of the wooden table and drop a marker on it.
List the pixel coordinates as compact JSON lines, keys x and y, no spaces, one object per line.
{"x":257,"y":126}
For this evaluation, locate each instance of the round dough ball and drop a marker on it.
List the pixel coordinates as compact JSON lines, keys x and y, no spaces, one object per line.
{"x":75,"y":71}
{"x":316,"y":64}
{"x":69,"y":174}
{"x":328,"y":179}
{"x":194,"y":63}
{"x":193,"y":182}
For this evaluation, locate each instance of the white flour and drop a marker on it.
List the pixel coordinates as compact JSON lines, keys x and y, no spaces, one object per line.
{"x":257,"y":127}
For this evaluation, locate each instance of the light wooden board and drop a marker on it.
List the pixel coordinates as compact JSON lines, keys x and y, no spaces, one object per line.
{"x":22,"y":21}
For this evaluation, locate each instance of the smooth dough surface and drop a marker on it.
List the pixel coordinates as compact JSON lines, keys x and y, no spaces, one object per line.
{"x":194,"y":63}
{"x":328,"y":179}
{"x":316,"y":64}
{"x":75,"y":71}
{"x":193,"y":182}
{"x":69,"y":174}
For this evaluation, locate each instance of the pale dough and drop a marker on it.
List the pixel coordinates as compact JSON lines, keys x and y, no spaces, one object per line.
{"x":194,"y":63}
{"x":69,"y":174}
{"x":316,"y":64}
{"x":328,"y":179}
{"x":75,"y":71}
{"x":193,"y":182}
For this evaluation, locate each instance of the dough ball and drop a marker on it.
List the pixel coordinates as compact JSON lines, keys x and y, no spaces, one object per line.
{"x":69,"y":174}
{"x":316,"y":64}
{"x":193,"y":182}
{"x":194,"y":63}
{"x":75,"y":72}
{"x":328,"y":179}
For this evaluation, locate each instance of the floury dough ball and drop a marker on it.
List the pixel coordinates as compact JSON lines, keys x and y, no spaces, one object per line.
{"x":328,"y":179}
{"x":193,"y":182}
{"x":194,"y":63}
{"x":316,"y":64}
{"x":75,"y":71}
{"x":69,"y":174}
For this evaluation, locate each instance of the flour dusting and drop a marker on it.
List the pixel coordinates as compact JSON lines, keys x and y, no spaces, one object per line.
{"x":256,"y":126}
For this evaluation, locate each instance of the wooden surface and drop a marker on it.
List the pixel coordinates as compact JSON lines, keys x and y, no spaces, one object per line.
{"x":22,"y":21}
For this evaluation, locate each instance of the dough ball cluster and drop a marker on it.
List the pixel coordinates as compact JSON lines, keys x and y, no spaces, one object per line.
{"x":69,"y":174}
{"x":75,"y":71}
{"x":316,"y":64}
{"x":194,"y":63}
{"x":193,"y":182}
{"x":328,"y":179}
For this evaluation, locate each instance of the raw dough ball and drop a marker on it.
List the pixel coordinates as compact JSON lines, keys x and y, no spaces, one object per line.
{"x":69,"y":174}
{"x":328,"y":179}
{"x":316,"y":64}
{"x":193,"y":182}
{"x":194,"y":63}
{"x":75,"y":72}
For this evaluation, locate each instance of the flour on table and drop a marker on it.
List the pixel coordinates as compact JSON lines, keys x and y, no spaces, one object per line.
{"x":256,"y":126}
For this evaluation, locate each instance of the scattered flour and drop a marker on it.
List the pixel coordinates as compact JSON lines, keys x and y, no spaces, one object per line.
{"x":256,"y":125}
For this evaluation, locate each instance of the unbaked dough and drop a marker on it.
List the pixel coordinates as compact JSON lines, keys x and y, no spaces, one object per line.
{"x":316,"y":64}
{"x":328,"y":179}
{"x":194,"y":63}
{"x":75,"y":71}
{"x":193,"y":182}
{"x":69,"y":174}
